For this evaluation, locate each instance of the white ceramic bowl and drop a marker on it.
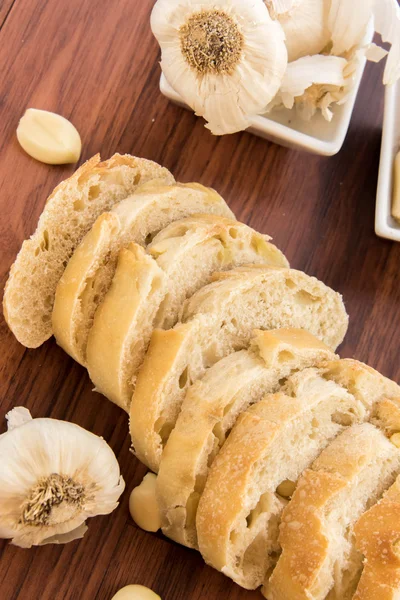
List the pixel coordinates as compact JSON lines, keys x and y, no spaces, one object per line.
{"x":285,"y":128}
{"x":385,"y":225}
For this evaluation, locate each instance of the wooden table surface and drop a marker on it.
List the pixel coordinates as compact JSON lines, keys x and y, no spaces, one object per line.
{"x":96,"y":63}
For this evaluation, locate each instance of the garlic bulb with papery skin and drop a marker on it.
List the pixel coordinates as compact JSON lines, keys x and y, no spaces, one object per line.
{"x":312,"y":83}
{"x":305,"y":24}
{"x":348,"y":23}
{"x":53,"y":476}
{"x":225,"y":59}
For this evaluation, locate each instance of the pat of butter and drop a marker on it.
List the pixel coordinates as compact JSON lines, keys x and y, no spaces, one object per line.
{"x":48,"y":137}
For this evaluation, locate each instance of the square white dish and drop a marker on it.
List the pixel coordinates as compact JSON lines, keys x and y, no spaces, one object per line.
{"x":285,"y":128}
{"x":385,"y":225}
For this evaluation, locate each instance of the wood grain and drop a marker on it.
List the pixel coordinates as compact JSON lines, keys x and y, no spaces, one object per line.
{"x":5,"y":9}
{"x":98,"y":67}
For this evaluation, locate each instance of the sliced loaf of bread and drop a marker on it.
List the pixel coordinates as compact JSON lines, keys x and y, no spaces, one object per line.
{"x":220,"y":320}
{"x":68,"y":215}
{"x":377,"y":537}
{"x":251,"y":478}
{"x":89,"y":273}
{"x":188,"y":253}
{"x":209,"y":411}
{"x":319,"y":558}
{"x":123,"y":323}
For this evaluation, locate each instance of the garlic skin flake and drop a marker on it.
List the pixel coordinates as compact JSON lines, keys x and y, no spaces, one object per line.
{"x":225,"y":59}
{"x":305,"y":24}
{"x":53,"y":476}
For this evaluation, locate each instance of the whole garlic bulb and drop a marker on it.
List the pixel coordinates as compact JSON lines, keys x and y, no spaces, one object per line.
{"x":305,"y":24}
{"x":225,"y":59}
{"x":53,"y":476}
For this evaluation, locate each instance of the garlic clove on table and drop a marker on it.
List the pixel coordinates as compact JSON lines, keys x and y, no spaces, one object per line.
{"x":53,"y":476}
{"x":143,"y":504}
{"x":49,"y":137}
{"x":135,"y":592}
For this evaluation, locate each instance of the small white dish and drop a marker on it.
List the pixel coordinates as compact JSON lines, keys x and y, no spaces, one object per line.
{"x":385,"y":225}
{"x":284,"y":127}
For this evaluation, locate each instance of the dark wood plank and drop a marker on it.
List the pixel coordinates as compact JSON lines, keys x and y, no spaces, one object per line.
{"x":99,"y":68}
{"x":5,"y":9}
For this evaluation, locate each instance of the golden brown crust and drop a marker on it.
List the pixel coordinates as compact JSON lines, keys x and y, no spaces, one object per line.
{"x":303,"y":570}
{"x":165,"y":351}
{"x":378,"y":538}
{"x":114,"y":343}
{"x":223,"y":496}
{"x":302,"y":538}
{"x":68,"y":298}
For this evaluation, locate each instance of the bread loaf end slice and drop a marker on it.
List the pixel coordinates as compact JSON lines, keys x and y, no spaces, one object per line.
{"x":68,"y":215}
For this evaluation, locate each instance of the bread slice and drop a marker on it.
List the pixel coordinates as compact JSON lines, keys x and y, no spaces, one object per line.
{"x":270,"y":445}
{"x":379,"y":395}
{"x":283,"y":294}
{"x":209,"y":412}
{"x":192,"y":249}
{"x":89,"y":273}
{"x":220,"y":320}
{"x":123,"y":323}
{"x":69,"y":213}
{"x":377,"y":537}
{"x":319,"y":558}
{"x":188,"y":260}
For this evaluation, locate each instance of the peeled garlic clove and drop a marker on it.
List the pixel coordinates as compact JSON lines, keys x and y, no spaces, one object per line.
{"x":143,"y":504}
{"x":53,"y":476}
{"x":49,"y":137}
{"x":396,"y":189}
{"x":135,"y":592}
